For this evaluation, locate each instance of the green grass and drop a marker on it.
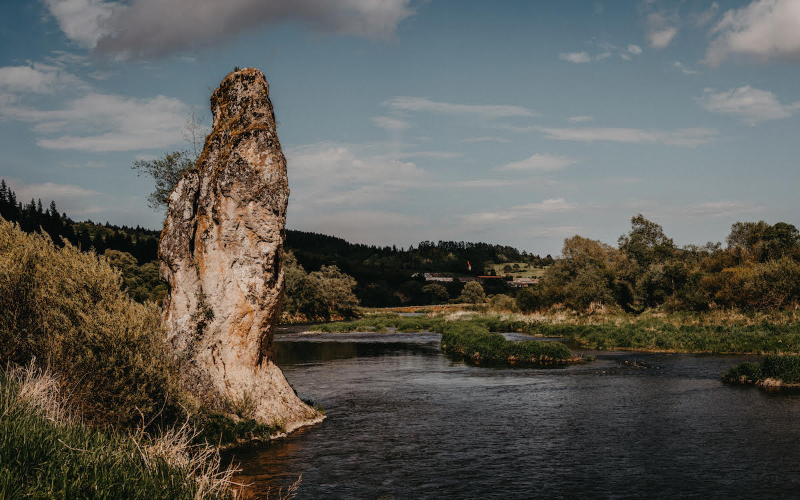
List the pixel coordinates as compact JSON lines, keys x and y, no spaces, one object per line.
{"x":412,"y":324}
{"x":41,"y":458}
{"x":218,"y":429}
{"x":524,"y":272}
{"x":698,"y":334}
{"x":785,"y":369}
{"x":475,"y":343}
{"x":661,"y":336}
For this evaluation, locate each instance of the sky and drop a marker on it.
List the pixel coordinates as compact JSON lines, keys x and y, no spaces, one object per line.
{"x":511,"y":122}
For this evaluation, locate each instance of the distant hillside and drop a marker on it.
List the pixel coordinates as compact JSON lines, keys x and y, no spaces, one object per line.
{"x":383,"y":273}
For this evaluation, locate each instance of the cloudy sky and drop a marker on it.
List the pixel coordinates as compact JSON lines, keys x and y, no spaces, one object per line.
{"x":513,"y":122}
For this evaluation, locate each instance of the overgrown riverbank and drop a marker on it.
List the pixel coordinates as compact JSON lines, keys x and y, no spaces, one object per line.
{"x":717,"y":333}
{"x":775,"y":371}
{"x":46,"y":452}
{"x":111,"y":419}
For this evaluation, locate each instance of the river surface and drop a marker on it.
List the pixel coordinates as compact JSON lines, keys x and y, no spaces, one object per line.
{"x":406,"y":422}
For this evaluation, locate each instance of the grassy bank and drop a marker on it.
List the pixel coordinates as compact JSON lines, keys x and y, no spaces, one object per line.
{"x":45,"y":452}
{"x":715,"y":332}
{"x":478,"y":345}
{"x":774,"y":371}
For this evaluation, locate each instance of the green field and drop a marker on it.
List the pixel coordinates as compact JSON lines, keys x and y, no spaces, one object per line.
{"x":524,"y":270}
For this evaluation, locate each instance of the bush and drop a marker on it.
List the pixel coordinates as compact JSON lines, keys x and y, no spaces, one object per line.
{"x":475,"y":343}
{"x":67,"y":310}
{"x":473,"y":293}
{"x":46,"y":454}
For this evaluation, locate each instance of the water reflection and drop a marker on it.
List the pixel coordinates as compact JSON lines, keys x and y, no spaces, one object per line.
{"x":405,"y":422}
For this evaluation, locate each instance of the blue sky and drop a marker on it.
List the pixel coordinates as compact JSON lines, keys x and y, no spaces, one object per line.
{"x":514,"y":122}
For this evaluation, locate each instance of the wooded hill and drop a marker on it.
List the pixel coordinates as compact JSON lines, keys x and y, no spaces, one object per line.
{"x":383,"y":274}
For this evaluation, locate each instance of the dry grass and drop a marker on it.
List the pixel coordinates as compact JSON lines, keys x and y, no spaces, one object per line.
{"x":30,"y":393}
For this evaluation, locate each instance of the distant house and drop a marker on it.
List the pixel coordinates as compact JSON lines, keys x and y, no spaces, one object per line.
{"x":523,"y":282}
{"x":445,"y":277}
{"x":468,"y":279}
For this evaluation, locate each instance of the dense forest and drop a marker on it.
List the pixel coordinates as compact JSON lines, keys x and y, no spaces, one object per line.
{"x":757,"y":269}
{"x":383,"y":275}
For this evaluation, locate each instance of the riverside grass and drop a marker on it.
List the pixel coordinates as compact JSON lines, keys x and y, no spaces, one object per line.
{"x":45,"y":452}
{"x":472,"y":339}
{"x":712,"y":333}
{"x":477,"y":344}
{"x":774,"y":371}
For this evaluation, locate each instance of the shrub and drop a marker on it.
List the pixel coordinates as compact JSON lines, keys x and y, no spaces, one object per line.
{"x":46,"y":454}
{"x":475,"y":343}
{"x":67,"y":310}
{"x":473,"y":293}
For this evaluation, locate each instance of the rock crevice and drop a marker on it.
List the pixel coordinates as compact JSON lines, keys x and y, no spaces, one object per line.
{"x":221,"y":253}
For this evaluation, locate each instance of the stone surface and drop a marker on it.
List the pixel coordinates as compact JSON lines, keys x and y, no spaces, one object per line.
{"x":222,"y":255}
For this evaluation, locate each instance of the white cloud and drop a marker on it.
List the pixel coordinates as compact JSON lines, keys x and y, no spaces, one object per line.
{"x":539,"y":163}
{"x":634,"y":49}
{"x":580,"y":119}
{"x":764,"y":29}
{"x":334,"y":164}
{"x":390,"y":123}
{"x":36,"y":78}
{"x":72,"y":199}
{"x":521,"y":212}
{"x":106,"y":122}
{"x":83,"y":21}
{"x":661,"y":28}
{"x":147,"y":28}
{"x":748,"y":104}
{"x":718,"y":209}
{"x":708,"y":15}
{"x":439,"y":155}
{"x":85,"y":164}
{"x":625,"y":57}
{"x":659,"y":39}
{"x":604,"y":55}
{"x":576,"y":57}
{"x":487,"y":111}
{"x":680,"y":66}
{"x":680,"y":137}
{"x":486,"y":138}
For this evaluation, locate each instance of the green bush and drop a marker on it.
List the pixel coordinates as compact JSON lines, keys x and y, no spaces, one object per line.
{"x":67,"y":310}
{"x":474,"y":342}
{"x":783,"y":368}
{"x":43,"y":457}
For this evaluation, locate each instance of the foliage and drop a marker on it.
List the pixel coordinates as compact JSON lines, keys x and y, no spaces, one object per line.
{"x":473,"y":293}
{"x":760,"y":270}
{"x":783,"y":368}
{"x":437,"y":293}
{"x":318,"y":295}
{"x":48,"y":456}
{"x":501,"y":302}
{"x":476,"y":344}
{"x":67,"y":309}
{"x":166,"y":172}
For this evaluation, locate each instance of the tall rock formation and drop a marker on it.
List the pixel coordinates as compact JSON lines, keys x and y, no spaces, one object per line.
{"x":222,"y":254}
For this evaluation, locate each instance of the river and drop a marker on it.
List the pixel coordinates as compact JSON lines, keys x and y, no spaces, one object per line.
{"x":406,"y":422}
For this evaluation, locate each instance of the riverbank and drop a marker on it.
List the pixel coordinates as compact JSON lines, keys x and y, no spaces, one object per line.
{"x":719,"y":332}
{"x":47,"y":452}
{"x":773,"y":373}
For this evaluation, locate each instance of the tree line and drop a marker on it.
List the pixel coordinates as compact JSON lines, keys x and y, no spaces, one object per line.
{"x":758,"y":269}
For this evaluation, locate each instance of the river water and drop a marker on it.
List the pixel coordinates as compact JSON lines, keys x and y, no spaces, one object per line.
{"x":406,"y":422}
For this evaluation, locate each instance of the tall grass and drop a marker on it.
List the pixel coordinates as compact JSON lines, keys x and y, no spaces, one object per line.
{"x":476,"y":343}
{"x":67,"y":310}
{"x":45,"y":452}
{"x":713,"y":332}
{"x":775,"y":370}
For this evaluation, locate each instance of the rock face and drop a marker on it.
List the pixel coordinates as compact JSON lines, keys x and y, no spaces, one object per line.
{"x":222,"y":255}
